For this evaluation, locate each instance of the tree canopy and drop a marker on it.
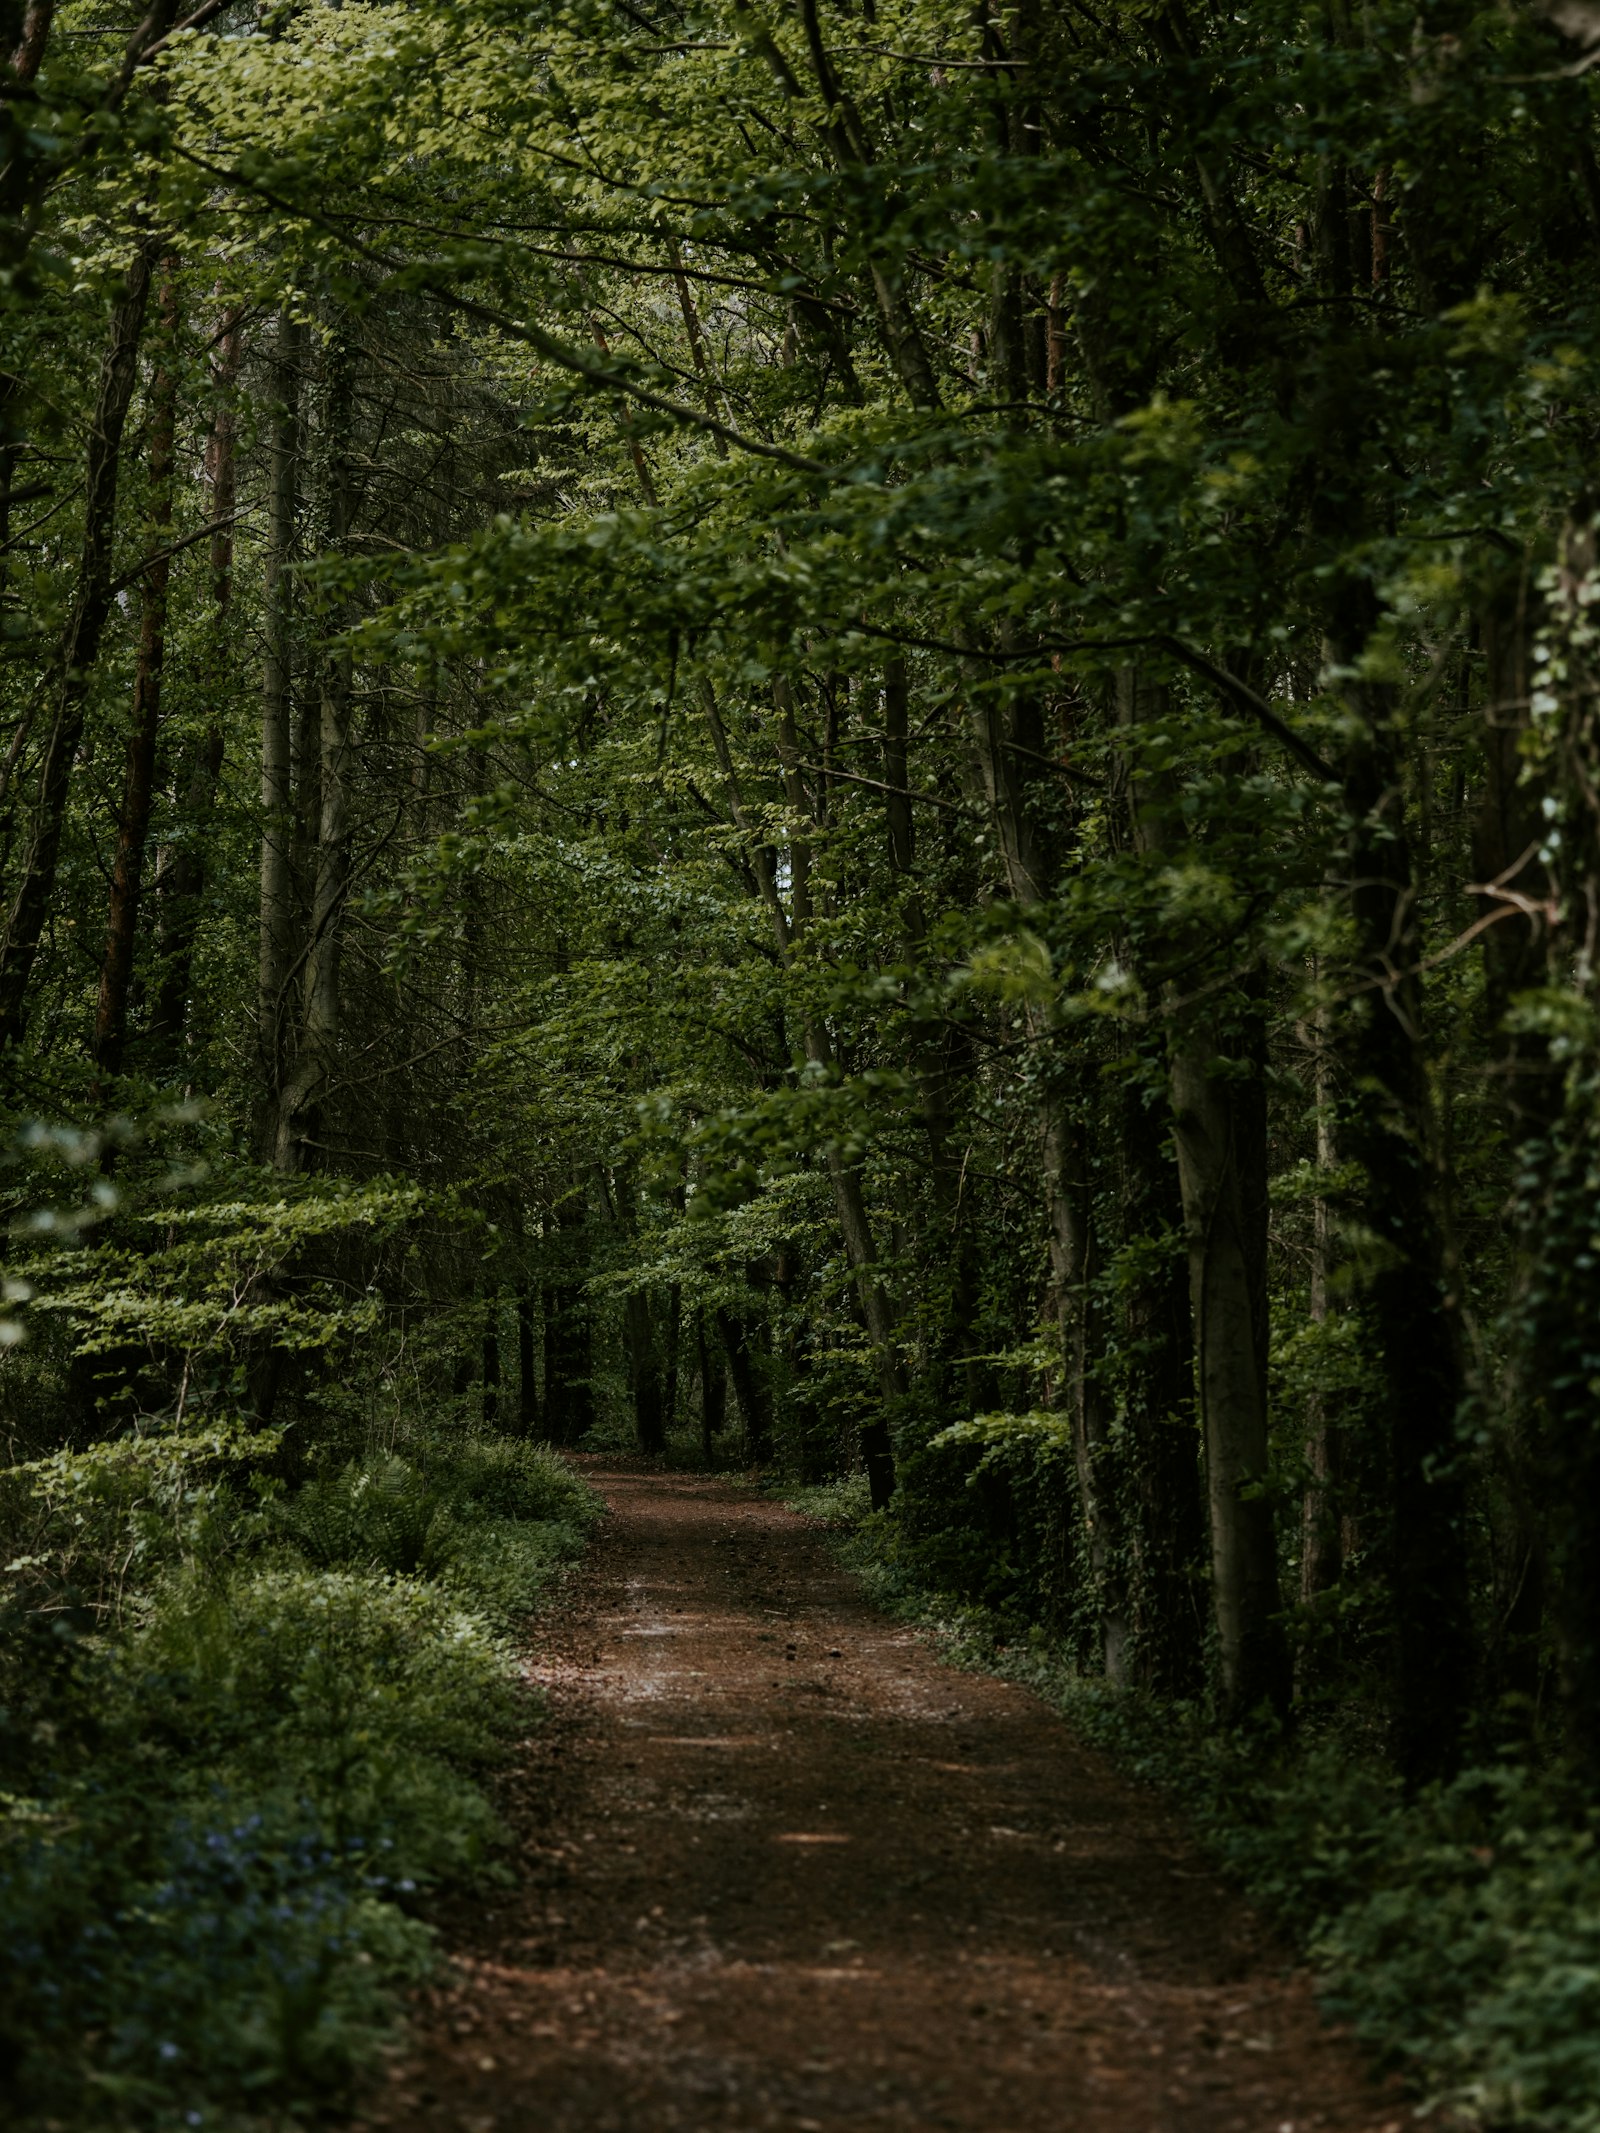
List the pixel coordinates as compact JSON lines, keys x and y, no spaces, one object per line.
{"x":866,"y":732}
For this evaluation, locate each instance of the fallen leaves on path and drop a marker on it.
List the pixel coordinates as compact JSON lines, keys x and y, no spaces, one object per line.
{"x":782,"y":1871}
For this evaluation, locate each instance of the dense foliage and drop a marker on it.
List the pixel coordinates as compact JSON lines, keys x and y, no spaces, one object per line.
{"x":863,"y":734}
{"x":231,"y":1782}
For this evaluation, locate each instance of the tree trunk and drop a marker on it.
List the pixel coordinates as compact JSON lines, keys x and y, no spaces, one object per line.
{"x":568,"y":1328}
{"x":713,"y":1387}
{"x":1217,"y":1083}
{"x":277,"y":911}
{"x":749,"y":1385}
{"x":183,"y":875}
{"x":1006,"y":740}
{"x":1168,"y":1541}
{"x":855,"y":1224}
{"x":877,"y":1442}
{"x":308,"y":1078}
{"x":1387,"y":1129}
{"x":527,"y":1380}
{"x":644,"y":1373}
{"x":1327,"y":1510}
{"x":1076,"y":1309}
{"x":1552,"y":1318}
{"x":79,"y":649}
{"x":1219,"y":1124}
{"x":669,"y":1394}
{"x":28,"y":53}
{"x":1169,"y":1536}
{"x":138,"y":781}
{"x":1515,"y":898}
{"x":935,"y":1050}
{"x":491,"y":1363}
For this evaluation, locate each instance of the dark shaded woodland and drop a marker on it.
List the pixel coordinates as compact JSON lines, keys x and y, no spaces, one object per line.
{"x":862,"y":741}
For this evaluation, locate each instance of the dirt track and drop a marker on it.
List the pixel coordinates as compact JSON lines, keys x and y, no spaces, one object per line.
{"x":783,"y":1869}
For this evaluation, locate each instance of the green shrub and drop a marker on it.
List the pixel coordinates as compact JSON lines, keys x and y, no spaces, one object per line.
{"x":378,"y":1513}
{"x":501,"y":1566}
{"x":238,"y":1742}
{"x":841,"y":1505}
{"x":156,"y":1960}
{"x":367,"y":1698}
{"x":105,"y":1520}
{"x":1475,"y":1953}
{"x":413,"y":1516}
{"x":507,"y":1477}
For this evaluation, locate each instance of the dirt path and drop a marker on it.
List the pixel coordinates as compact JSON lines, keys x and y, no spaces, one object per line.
{"x":785,"y":1870}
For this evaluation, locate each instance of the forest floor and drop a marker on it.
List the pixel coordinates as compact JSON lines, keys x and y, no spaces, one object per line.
{"x":780,"y":1867}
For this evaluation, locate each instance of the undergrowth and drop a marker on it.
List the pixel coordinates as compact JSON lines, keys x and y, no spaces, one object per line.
{"x":1457,"y":1932}
{"x":244,"y":1730}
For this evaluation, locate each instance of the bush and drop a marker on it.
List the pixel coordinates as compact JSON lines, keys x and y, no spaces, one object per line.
{"x":384,"y":1512}
{"x":507,"y":1477}
{"x":842,"y":1505}
{"x":367,"y":1698}
{"x":152,"y":1961}
{"x":109,"y":1519}
{"x":229,"y":1785}
{"x":379,"y":1513}
{"x":500,"y":1566}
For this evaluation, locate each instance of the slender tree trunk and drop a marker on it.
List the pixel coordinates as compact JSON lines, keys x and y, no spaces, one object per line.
{"x":674,"y":1332}
{"x":308,"y":1078}
{"x":277,"y":911}
{"x":138,"y":780}
{"x":568,"y":1365}
{"x":1546,"y":893}
{"x":640,"y":1330}
{"x":527,"y":1380}
{"x":1005,"y":741}
{"x":1216,"y":1077}
{"x":644,"y":1373}
{"x":713,"y":1388}
{"x":568,"y":1328}
{"x":877,"y":1442}
{"x":697,"y":345}
{"x":933,"y":1050}
{"x":1219,"y":1122}
{"x":20,"y":162}
{"x":749,"y":1385}
{"x":1169,"y":1537}
{"x":1412,"y":1307}
{"x":102,"y":1384}
{"x":182,"y":878}
{"x":79,"y":649}
{"x":1077,"y":1310}
{"x":1516,"y":899}
{"x":1326,"y":1504}
{"x":491,"y":1362}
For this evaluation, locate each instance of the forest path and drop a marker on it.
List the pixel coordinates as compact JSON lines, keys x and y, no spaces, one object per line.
{"x":783,"y":1869}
